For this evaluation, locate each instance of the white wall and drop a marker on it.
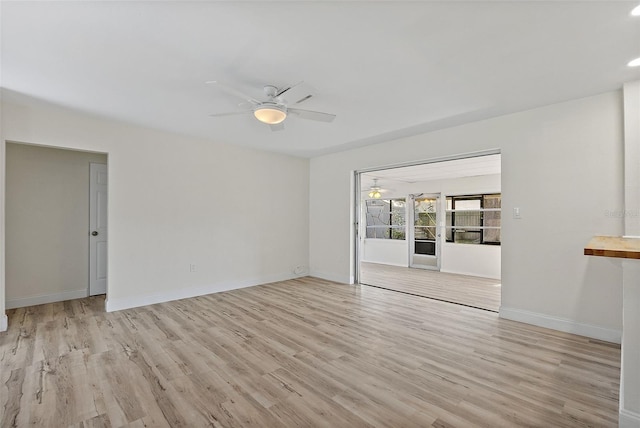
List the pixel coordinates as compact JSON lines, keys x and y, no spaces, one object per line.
{"x":47,"y":220}
{"x":476,"y":260}
{"x":469,"y":259}
{"x":386,"y":251}
{"x":240,"y":215}
{"x":561,"y":164}
{"x":630,"y":368}
{"x":3,"y":316}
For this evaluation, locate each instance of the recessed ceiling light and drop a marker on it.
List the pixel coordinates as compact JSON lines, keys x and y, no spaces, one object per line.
{"x":636,"y":11}
{"x":634,"y":63}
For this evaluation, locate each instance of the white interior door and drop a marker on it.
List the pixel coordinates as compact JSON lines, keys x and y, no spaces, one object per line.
{"x":98,"y":229}
{"x":424,"y":231}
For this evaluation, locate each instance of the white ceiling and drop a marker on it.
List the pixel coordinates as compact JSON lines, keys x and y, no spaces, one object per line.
{"x":387,"y":69}
{"x":457,"y":168}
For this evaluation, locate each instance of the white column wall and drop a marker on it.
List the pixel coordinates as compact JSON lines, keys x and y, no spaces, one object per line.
{"x":3,"y":316}
{"x":630,"y":372}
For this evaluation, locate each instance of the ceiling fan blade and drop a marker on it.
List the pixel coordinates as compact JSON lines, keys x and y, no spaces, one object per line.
{"x":233,"y":91}
{"x":277,"y":127}
{"x":312,"y":115}
{"x":232,"y":113}
{"x":297,"y":93}
{"x":303,"y":99}
{"x":286,"y":88}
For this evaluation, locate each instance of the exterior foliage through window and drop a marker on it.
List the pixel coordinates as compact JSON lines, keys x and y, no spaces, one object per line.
{"x":386,"y":218}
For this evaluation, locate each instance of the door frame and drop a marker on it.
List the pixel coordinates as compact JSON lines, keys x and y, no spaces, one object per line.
{"x":356,"y":191}
{"x":93,"y":207}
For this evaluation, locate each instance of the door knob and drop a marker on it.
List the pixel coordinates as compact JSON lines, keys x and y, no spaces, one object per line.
{"x":94,"y":233}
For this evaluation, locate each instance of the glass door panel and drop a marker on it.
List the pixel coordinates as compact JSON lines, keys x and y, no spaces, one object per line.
{"x":424,"y":248}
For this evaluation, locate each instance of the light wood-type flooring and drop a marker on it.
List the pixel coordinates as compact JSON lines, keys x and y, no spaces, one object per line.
{"x":299,"y":353}
{"x":466,"y":290}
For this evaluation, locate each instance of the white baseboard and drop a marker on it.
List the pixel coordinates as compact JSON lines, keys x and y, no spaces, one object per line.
{"x":331,"y":277}
{"x":387,"y":263}
{"x":46,"y":298}
{"x":4,"y":324}
{"x":120,"y":303}
{"x":561,"y":324}
{"x":628,"y":419}
{"x":476,"y":274}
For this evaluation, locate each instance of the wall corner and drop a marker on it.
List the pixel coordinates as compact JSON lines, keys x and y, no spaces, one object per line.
{"x":4,"y":322}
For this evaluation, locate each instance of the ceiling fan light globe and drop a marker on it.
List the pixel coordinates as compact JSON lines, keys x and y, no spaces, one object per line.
{"x":271,"y":115}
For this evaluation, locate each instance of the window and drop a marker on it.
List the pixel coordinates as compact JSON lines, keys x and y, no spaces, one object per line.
{"x":474,"y":219}
{"x":386,"y":218}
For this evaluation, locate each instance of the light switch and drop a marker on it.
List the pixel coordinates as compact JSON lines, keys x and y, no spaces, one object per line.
{"x":516,"y":213}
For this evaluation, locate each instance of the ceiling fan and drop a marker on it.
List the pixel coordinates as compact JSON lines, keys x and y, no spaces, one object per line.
{"x":276,"y":108}
{"x":375,"y":191}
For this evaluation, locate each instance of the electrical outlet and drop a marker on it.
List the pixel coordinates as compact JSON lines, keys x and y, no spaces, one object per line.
{"x":300,"y":270}
{"x":192,"y":267}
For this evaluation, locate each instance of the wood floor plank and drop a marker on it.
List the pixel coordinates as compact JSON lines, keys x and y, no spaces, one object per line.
{"x":466,"y":290}
{"x":304,"y":352}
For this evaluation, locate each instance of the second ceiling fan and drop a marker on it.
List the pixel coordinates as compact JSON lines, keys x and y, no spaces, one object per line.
{"x":276,"y":108}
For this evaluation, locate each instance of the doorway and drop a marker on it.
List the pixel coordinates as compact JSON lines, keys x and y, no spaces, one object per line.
{"x":98,"y":180}
{"x":424,"y":213}
{"x":47,"y":223}
{"x":415,"y":229}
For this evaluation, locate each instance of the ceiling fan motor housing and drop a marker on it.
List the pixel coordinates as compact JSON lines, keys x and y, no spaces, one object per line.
{"x":270,"y":91}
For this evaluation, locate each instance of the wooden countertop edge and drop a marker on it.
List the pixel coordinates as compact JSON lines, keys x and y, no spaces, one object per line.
{"x":613,"y":246}
{"x":622,"y":254}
